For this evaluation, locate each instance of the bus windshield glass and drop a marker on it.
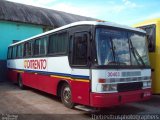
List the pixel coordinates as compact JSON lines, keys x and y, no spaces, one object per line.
{"x":119,"y":47}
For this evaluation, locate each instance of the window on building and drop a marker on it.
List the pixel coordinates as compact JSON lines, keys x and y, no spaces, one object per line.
{"x":28,"y":49}
{"x":40,"y":46}
{"x":45,"y":29}
{"x":20,"y":51}
{"x":151,"y":36}
{"x":58,"y":43}
{"x":14,"y":41}
{"x":80,"y":48}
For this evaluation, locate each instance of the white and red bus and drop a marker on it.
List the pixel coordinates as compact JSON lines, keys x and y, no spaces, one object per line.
{"x":98,"y":64}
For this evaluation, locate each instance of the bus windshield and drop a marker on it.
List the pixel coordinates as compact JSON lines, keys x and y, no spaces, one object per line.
{"x":121,"y":47}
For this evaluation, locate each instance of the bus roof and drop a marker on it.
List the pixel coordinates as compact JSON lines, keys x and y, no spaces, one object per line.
{"x":82,"y":23}
{"x":147,"y":22}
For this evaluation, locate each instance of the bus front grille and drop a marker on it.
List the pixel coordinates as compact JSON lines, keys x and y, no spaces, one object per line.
{"x":124,"y":87}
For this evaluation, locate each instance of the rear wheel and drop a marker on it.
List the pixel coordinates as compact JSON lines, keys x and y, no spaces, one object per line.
{"x":66,"y":96}
{"x":20,"y":82}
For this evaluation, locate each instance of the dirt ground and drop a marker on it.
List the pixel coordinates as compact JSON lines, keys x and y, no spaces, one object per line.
{"x":33,"y":104}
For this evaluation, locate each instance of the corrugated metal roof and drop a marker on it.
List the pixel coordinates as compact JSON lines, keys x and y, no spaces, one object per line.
{"x":11,"y":11}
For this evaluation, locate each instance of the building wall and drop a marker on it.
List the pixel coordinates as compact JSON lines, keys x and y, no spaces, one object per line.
{"x":10,"y":31}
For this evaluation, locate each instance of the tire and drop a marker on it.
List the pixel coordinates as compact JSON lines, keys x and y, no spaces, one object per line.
{"x":20,"y":82}
{"x":66,"y":96}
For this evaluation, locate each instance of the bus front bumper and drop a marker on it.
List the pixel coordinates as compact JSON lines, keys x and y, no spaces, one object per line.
{"x":112,"y":99}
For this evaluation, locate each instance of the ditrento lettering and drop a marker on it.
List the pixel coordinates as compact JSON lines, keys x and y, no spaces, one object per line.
{"x":35,"y":64}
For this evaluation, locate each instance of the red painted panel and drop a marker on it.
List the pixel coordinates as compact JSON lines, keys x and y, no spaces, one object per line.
{"x":41,"y":82}
{"x":111,"y":99}
{"x":80,"y":92}
{"x":80,"y":89}
{"x":47,"y":83}
{"x":29,"y":79}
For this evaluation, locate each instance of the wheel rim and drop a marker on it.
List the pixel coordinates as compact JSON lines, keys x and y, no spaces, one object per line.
{"x":67,"y":94}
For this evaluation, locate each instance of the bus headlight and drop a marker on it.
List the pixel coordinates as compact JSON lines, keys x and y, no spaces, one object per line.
{"x":149,"y":83}
{"x":146,"y":84}
{"x":109,"y":87}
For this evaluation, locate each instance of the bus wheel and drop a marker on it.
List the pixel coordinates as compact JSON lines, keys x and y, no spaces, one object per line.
{"x":20,"y":83}
{"x":66,"y":96}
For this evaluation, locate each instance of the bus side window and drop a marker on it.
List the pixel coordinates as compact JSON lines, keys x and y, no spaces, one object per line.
{"x":58,"y":43}
{"x":9,"y":53}
{"x":80,"y":48}
{"x":43,"y":46}
{"x":28,"y":49}
{"x":40,"y":46}
{"x":14,"y":52}
{"x":20,"y":51}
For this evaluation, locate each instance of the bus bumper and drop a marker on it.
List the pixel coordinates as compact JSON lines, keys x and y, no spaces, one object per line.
{"x":112,"y":99}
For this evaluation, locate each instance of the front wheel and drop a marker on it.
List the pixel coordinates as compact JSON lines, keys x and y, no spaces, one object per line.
{"x":20,"y":82}
{"x":66,"y":96}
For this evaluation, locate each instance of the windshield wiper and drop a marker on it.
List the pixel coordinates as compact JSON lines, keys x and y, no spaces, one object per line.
{"x":114,"y":54}
{"x":135,"y":52}
{"x":139,"y":56}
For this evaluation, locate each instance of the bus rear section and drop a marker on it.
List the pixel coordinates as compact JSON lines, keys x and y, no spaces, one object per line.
{"x":152,"y":28}
{"x":98,"y":64}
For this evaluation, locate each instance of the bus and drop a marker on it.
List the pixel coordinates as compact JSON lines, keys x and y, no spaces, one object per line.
{"x":91,"y":63}
{"x":152,"y":28}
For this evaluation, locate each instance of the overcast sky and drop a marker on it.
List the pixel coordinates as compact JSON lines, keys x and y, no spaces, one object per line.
{"x":126,"y":12}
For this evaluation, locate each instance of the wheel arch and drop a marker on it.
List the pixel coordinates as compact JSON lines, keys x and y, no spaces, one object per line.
{"x":59,"y":85}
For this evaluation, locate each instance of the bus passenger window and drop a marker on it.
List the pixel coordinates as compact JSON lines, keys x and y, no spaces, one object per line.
{"x":40,"y":46}
{"x":9,"y":56}
{"x":80,"y":49}
{"x":28,"y":49}
{"x":58,"y":43}
{"x":20,"y":51}
{"x":14,"y":51}
{"x":43,"y":46}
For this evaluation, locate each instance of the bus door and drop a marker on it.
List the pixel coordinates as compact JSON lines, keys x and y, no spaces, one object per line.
{"x":80,"y":67}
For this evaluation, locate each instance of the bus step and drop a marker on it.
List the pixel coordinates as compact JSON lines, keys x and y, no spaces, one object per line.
{"x":86,"y":108}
